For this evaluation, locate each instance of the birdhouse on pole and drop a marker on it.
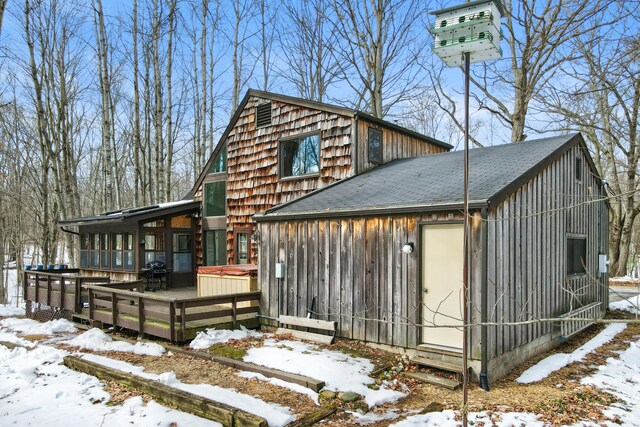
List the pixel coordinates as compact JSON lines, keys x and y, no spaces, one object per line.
{"x":472,"y":28}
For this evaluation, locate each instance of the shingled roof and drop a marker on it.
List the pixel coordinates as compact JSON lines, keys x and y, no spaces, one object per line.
{"x":432,"y":181}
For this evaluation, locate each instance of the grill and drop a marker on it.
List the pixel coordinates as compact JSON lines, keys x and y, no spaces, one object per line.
{"x":155,"y":272}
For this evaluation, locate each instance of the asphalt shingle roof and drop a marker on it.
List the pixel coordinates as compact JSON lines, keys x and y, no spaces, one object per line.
{"x":428,"y":181}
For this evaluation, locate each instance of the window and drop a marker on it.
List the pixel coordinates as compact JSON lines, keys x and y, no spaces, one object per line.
{"x":182,"y":221}
{"x":215,"y":247}
{"x":154,"y":224}
{"x":154,"y":248}
{"x":116,"y":252}
{"x":576,"y":255}
{"x":215,"y":198}
{"x":84,"y":250}
{"x":300,"y":156}
{"x":375,"y":145}
{"x":263,"y":115}
{"x":104,"y":251}
{"x":220,"y":162}
{"x":122,"y":251}
{"x":95,"y":251}
{"x":181,"y":253}
{"x":242,"y":248}
{"x":578,"y":169}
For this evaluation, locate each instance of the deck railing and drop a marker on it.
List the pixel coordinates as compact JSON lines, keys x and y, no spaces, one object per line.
{"x":61,"y":289}
{"x":166,"y":317}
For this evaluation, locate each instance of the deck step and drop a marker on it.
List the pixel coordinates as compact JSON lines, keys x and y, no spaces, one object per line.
{"x":433,"y":379}
{"x":438,"y":364}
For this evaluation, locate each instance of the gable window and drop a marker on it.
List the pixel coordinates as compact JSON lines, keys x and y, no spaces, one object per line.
{"x":263,"y":115}
{"x":300,"y":156}
{"x":374,"y":145}
{"x":220,"y":162}
{"x":576,"y":255}
{"x":215,"y":194}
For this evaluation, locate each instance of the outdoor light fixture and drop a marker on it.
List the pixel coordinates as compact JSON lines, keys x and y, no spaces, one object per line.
{"x":407,"y":248}
{"x":463,"y":35}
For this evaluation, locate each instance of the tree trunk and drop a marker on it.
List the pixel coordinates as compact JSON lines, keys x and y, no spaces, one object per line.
{"x":137,"y":146}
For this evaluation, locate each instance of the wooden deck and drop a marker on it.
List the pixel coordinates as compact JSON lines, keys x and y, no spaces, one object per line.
{"x":174,"y":314}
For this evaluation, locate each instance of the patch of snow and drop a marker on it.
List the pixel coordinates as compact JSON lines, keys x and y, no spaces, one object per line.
{"x":631,"y":305}
{"x":557,"y":361}
{"x":624,"y":279}
{"x":620,"y":377}
{"x":35,"y":388}
{"x":448,"y":419}
{"x":95,"y":339}
{"x":284,"y":384}
{"x":33,"y":327}
{"x":12,"y":338}
{"x":372,"y":417}
{"x":211,"y":336}
{"x":339,"y":371}
{"x":276,"y":415}
{"x":8,"y":311}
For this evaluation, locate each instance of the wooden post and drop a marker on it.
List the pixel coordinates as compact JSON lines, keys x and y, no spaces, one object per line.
{"x":183,"y":320}
{"x":49,"y":290}
{"x":172,"y":321}
{"x":62,"y":286}
{"x":114,"y":309}
{"x":25,"y":285}
{"x":78,"y":294}
{"x":140,"y":315}
{"x":37,"y":296}
{"x":234,"y":307}
{"x":91,"y":304}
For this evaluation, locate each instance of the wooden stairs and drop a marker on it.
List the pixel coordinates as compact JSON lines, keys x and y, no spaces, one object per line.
{"x":433,"y":378}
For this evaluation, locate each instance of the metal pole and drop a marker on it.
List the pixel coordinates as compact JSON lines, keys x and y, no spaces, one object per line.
{"x":465,"y":270}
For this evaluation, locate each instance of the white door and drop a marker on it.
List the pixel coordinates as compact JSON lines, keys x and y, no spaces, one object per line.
{"x":442,"y":265}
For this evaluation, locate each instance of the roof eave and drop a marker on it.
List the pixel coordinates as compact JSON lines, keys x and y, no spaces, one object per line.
{"x":397,"y":210}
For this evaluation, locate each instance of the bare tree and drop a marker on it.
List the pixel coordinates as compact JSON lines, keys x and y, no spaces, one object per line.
{"x":377,"y":53}
{"x":603,"y":101}
{"x":538,"y":35}
{"x":243,"y":13}
{"x":137,"y":144}
{"x":3,"y":5}
{"x":172,"y":4}
{"x":307,"y":40}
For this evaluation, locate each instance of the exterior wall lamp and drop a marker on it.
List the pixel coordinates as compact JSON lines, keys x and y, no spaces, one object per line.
{"x":407,"y":248}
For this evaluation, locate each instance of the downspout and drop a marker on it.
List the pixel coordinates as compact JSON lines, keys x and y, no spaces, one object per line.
{"x":484,"y":356}
{"x":69,"y":231}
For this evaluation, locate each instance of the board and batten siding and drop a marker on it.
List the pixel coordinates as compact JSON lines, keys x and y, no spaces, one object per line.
{"x":395,"y":145}
{"x":527,"y":250}
{"x":355,"y":269}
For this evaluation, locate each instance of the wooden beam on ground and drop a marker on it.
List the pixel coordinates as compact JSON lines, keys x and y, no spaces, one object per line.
{"x":308,"y":323}
{"x":313,"y":384}
{"x":182,"y":400}
{"x":312,"y":417}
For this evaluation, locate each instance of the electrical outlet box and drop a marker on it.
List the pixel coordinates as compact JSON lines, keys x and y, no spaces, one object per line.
{"x":603,"y":263}
{"x":279,"y":270}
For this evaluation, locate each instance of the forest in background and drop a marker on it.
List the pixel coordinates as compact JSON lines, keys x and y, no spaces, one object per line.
{"x":117,"y":104}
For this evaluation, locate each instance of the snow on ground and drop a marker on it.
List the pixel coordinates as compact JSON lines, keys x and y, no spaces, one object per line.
{"x":624,"y":279}
{"x":8,"y":310}
{"x":620,"y":377}
{"x":14,"y":293}
{"x":281,"y":383}
{"x":631,"y":305}
{"x":33,"y":327}
{"x":276,"y":415}
{"x":448,"y":419}
{"x":35,"y":388}
{"x":339,"y":371}
{"x":209,"y":337}
{"x":557,"y":361}
{"x":95,"y":339}
{"x":372,"y":417}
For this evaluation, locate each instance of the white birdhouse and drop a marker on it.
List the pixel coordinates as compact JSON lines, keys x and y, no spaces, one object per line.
{"x":471,"y":27}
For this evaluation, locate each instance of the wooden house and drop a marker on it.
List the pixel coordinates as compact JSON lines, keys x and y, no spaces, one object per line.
{"x":277,"y":148}
{"x":381,"y":254}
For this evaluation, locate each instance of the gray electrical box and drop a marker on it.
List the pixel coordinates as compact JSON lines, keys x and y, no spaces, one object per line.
{"x":603,"y":263}
{"x":279,"y":270}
